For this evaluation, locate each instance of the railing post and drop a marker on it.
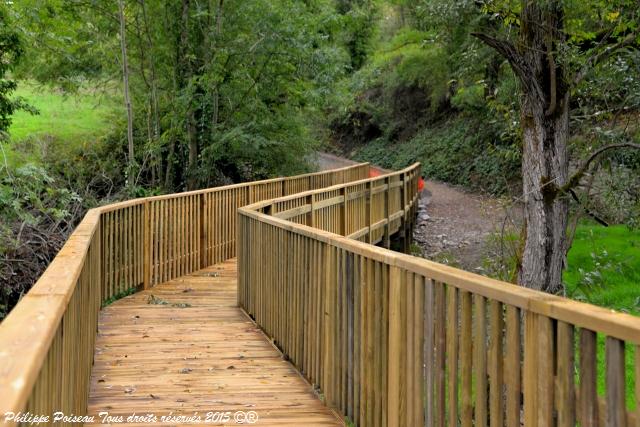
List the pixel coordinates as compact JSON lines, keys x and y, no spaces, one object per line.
{"x":310,"y":216}
{"x":387,"y":214}
{"x":146,"y":280}
{"x":203,"y":231}
{"x":530,"y":374}
{"x":395,"y":342}
{"x":343,"y":212}
{"x":328,"y":310}
{"x":403,"y":218}
{"x":368,"y":210}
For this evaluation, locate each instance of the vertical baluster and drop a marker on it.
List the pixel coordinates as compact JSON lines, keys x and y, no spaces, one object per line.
{"x":440,"y":351}
{"x":512,"y":367}
{"x":566,"y":388}
{"x":588,"y":374}
{"x":616,"y":403}
{"x":452,"y":355}
{"x":496,"y":365}
{"x":466,"y":353}
{"x":480,"y":361}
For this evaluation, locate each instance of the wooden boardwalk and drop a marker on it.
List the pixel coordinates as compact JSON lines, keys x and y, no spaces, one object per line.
{"x":184,"y":347}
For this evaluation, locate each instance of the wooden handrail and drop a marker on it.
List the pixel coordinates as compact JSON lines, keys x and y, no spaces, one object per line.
{"x":391,"y":338}
{"x":47,"y":340}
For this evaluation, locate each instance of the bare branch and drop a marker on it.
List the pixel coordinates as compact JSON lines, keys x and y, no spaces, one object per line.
{"x":575,"y":179}
{"x":517,"y":62}
{"x":595,"y":217}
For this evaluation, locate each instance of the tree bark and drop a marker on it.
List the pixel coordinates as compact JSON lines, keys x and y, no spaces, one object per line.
{"x":544,"y":109}
{"x":125,"y":78}
{"x":545,"y":132}
{"x":544,"y":168}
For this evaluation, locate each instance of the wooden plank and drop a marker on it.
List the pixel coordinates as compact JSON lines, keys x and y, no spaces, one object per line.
{"x":496,"y":360}
{"x":480,"y":360}
{"x":418,"y":393}
{"x":512,"y":368}
{"x":588,"y":414}
{"x":545,"y":384}
{"x":232,"y":362}
{"x":565,"y":400}
{"x":530,"y":374}
{"x":147,"y":246}
{"x":429,"y":355}
{"x":452,"y":356}
{"x":466,"y":355}
{"x":637,"y":379}
{"x":440,"y":352}
{"x":396,"y":283}
{"x":616,"y":401}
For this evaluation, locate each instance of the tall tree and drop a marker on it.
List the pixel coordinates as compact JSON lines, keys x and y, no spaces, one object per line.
{"x":10,"y":52}
{"x":125,"y":81}
{"x":538,"y":57}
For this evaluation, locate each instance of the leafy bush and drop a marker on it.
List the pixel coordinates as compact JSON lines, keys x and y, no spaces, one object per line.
{"x":38,"y":214}
{"x":459,"y":151}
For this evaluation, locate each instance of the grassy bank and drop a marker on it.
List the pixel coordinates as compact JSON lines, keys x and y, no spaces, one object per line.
{"x":604,"y":269}
{"x":65,"y":121}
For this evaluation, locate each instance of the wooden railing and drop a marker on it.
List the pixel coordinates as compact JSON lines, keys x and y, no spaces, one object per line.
{"x":47,"y":341}
{"x":395,"y":340}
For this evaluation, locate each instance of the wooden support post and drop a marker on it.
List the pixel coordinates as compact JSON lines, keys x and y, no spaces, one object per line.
{"x":343,"y":212}
{"x":387,"y":214}
{"x":310,"y":216}
{"x":530,"y":377}
{"x":403,"y":219}
{"x":202,"y":244}
{"x":146,"y":280}
{"x":368,"y":211}
{"x":395,"y":344}
{"x":615,"y":372}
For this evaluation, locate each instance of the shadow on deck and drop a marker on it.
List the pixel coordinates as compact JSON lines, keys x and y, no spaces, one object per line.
{"x":185,"y":348}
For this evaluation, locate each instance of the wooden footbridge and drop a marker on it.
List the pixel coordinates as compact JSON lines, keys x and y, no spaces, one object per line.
{"x":278,"y":302}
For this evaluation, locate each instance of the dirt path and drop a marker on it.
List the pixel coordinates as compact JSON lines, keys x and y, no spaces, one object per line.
{"x":454,"y":226}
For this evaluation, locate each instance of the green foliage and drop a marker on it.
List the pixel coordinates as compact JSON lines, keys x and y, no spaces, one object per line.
{"x":29,"y":189}
{"x":411,"y":58}
{"x":118,"y":296}
{"x":358,"y":28}
{"x":604,"y":267}
{"x":458,"y":151}
{"x":10,"y":53}
{"x":37,"y":214}
{"x":222,"y":91}
{"x":66,"y":122}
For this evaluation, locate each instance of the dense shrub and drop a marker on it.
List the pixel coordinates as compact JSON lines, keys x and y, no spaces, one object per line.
{"x":461,"y":151}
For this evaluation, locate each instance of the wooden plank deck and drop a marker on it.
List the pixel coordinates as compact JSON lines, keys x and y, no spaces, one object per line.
{"x":165,"y":357}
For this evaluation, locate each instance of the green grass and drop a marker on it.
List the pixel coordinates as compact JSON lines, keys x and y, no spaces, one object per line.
{"x":604,"y":269}
{"x":65,"y":120}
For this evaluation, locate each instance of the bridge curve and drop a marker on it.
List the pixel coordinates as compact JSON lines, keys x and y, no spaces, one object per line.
{"x":385,"y":338}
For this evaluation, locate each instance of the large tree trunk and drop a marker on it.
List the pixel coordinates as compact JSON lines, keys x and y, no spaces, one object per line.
{"x":127,"y":98}
{"x":545,"y":130}
{"x":544,"y":108}
{"x":544,"y":167}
